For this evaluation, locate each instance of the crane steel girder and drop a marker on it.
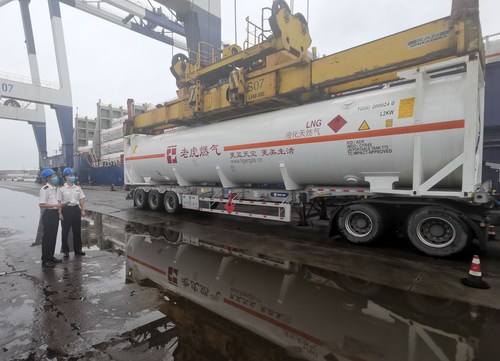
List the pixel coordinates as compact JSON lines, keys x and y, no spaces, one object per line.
{"x":147,"y":24}
{"x":278,"y":72}
{"x":4,"y":2}
{"x":202,"y":21}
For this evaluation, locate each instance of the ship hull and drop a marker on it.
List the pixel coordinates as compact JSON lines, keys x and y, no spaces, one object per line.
{"x":88,"y":174}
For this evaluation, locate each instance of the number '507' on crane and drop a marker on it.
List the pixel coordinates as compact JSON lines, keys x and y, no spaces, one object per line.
{"x":381,"y":137}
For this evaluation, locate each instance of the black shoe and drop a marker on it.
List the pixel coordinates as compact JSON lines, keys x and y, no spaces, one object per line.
{"x":48,"y":264}
{"x":56,"y":260}
{"x":80,"y":253}
{"x":66,"y":254}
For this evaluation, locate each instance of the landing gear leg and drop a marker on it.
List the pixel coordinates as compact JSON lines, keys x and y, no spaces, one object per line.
{"x":323,"y":215}
{"x":302,"y":210}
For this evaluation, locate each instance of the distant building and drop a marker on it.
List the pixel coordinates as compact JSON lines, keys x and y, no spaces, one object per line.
{"x":13,"y":174}
{"x":83,"y":132}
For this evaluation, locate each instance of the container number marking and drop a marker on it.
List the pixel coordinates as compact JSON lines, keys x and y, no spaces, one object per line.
{"x":255,"y":89}
{"x":262,"y":87}
{"x":255,"y":85}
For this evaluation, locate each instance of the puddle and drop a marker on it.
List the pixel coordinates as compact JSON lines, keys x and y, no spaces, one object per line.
{"x":20,"y":217}
{"x":247,"y":301}
{"x":223,"y":302}
{"x":233,"y":301}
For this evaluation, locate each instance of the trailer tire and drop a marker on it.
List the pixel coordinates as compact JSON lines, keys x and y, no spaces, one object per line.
{"x":155,"y":200}
{"x":155,"y":230}
{"x":140,"y":228}
{"x":360,"y":223}
{"x":437,"y":231}
{"x":357,"y":285}
{"x":171,"y":235}
{"x":171,"y":202}
{"x":140,"y":198}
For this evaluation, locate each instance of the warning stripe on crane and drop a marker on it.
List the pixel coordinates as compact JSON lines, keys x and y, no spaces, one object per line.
{"x":452,"y":124}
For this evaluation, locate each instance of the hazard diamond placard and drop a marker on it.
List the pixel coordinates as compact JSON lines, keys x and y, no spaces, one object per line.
{"x":337,"y":123}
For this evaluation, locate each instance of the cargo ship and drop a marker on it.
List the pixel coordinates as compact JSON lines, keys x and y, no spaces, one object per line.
{"x":98,"y":144}
{"x":102,"y":163}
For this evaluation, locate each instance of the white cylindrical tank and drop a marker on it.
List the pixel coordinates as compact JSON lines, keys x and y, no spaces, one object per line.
{"x":118,"y":121}
{"x":112,"y":159}
{"x":114,"y":146}
{"x":85,"y":149}
{"x":115,"y":132}
{"x":333,"y":142}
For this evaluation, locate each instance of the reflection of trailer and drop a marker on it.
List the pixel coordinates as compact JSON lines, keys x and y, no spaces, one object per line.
{"x":382,"y":137}
{"x":306,"y":314}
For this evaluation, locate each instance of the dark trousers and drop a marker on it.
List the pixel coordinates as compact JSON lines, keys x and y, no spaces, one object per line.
{"x":72,"y":219}
{"x":50,"y":222}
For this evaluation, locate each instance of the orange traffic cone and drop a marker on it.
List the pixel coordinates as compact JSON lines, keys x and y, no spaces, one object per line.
{"x":475,"y":278}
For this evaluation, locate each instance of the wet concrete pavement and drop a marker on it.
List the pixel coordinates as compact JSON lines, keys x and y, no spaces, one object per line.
{"x":84,"y":309}
{"x":66,"y":311}
{"x":393,"y":263}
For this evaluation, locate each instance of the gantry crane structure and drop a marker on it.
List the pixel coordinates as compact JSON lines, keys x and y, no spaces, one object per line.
{"x":24,"y":99}
{"x":274,"y":69}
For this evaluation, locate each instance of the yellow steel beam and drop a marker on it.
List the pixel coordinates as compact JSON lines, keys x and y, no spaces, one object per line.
{"x":380,"y":60}
{"x":285,"y":75}
{"x":294,"y":38}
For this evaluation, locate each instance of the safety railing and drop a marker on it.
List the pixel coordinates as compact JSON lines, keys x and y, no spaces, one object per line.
{"x":29,"y":80}
{"x":256,"y":34}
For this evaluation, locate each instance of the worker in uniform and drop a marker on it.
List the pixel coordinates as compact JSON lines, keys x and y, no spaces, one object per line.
{"x":50,"y":221}
{"x":72,"y":200}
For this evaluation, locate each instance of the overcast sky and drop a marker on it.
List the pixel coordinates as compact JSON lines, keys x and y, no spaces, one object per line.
{"x":112,"y":63}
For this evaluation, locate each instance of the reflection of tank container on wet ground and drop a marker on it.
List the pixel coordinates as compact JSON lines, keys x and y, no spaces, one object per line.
{"x":391,"y":142}
{"x":306,"y":310}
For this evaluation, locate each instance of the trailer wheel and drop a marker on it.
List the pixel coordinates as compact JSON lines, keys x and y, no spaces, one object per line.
{"x":140,"y":198}
{"x":155,"y":200}
{"x":360,"y":223}
{"x":155,"y":230}
{"x":171,"y":202}
{"x":171,"y":236}
{"x":357,"y":285}
{"x":140,"y":228}
{"x":437,"y":232}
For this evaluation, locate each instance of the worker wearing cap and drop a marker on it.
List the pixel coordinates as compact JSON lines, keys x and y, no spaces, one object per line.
{"x":50,"y":220}
{"x":72,"y":200}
